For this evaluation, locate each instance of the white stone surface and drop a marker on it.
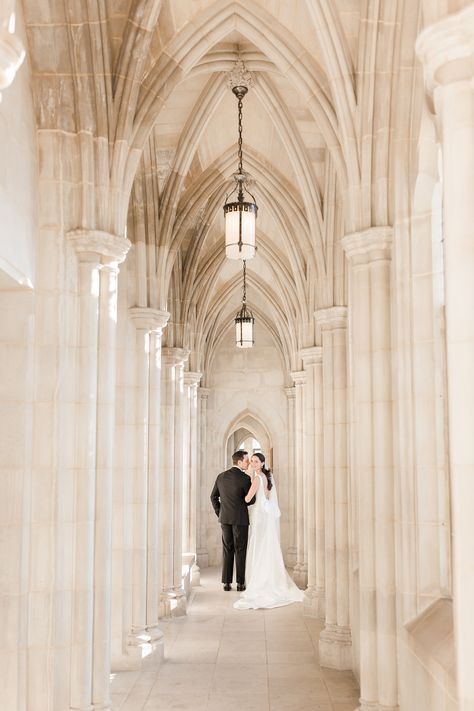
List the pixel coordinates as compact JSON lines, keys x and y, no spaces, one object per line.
{"x":18,"y":166}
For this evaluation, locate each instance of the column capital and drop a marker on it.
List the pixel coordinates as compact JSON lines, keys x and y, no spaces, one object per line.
{"x":175,"y":356}
{"x":12,"y":55}
{"x":331,"y":318}
{"x":148,"y":319}
{"x":290,"y":392}
{"x":370,"y":245}
{"x":446,"y":49}
{"x":96,"y":245}
{"x":311,"y":355}
{"x":299,"y":376}
{"x":203,"y":393}
{"x":192,"y":378}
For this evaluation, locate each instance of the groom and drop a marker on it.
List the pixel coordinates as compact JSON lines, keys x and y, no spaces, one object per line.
{"x":228,"y":500}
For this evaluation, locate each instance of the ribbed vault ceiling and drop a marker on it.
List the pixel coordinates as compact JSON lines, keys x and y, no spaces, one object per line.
{"x":190,"y":155}
{"x":139,"y":87}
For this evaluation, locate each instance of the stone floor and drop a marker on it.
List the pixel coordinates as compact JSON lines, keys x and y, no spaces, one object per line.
{"x":221,"y":659}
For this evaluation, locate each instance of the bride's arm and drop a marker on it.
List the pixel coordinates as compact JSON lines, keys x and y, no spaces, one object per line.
{"x":253,"y":489}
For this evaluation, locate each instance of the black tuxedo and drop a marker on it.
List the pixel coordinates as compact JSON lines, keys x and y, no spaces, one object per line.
{"x":228,"y":500}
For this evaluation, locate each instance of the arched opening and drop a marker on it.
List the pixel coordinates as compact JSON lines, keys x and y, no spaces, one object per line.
{"x":249,"y":433}
{"x":242,"y":439}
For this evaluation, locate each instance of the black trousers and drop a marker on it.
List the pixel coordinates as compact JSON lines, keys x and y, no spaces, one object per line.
{"x":234,"y":544}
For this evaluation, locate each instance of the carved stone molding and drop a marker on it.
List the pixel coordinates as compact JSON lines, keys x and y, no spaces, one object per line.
{"x":175,"y":356}
{"x":446,"y":49}
{"x":192,"y":378}
{"x":299,"y":376}
{"x":149,"y":319}
{"x":331,"y":318}
{"x":96,"y":244}
{"x":311,"y":355}
{"x":370,"y":245}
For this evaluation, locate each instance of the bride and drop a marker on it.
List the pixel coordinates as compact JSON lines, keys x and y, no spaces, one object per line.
{"x":268,"y":583}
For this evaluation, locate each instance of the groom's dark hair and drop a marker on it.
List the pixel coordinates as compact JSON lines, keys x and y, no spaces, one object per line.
{"x":238,"y":456}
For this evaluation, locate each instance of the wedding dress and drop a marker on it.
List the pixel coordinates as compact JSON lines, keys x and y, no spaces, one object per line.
{"x":268,"y":583}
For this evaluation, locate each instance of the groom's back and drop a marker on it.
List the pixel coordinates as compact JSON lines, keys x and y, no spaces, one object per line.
{"x":233,"y":485}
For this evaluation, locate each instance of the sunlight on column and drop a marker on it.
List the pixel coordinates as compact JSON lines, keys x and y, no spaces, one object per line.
{"x":95,"y":283}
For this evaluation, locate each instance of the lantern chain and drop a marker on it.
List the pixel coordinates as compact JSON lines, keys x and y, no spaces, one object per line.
{"x":240,"y":169}
{"x":244,"y":295}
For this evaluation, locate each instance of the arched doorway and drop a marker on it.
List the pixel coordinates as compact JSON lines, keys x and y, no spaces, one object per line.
{"x":249,"y":433}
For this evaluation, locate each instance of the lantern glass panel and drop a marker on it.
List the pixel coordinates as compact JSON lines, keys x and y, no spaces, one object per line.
{"x":240,"y":227}
{"x":244,"y":333}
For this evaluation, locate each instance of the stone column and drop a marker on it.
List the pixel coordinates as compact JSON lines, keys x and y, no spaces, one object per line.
{"x":145,"y":632}
{"x":106,"y":384}
{"x":369,"y":255}
{"x":181,"y":443}
{"x":299,"y":571}
{"x":203,"y":494}
{"x":313,"y":481}
{"x":191,"y":492}
{"x":139,"y":485}
{"x":335,"y":645}
{"x":168,"y":398}
{"x":154,"y":552}
{"x":173,"y":599}
{"x":84,"y":485}
{"x":291,"y":551}
{"x":447,"y":50}
{"x":99,"y":254}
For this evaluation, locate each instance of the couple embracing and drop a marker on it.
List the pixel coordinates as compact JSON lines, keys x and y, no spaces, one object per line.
{"x":261,"y":575}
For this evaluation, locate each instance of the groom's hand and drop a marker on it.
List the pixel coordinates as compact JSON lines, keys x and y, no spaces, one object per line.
{"x":216,"y":500}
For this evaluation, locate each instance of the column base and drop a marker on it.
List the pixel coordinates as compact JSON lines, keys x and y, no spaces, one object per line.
{"x":173,"y":603}
{"x":195,"y":575}
{"x":130,"y":660}
{"x":290,"y":557}
{"x":203,"y":558}
{"x":155,"y":651}
{"x":335,"y":647}
{"x":180,"y":609}
{"x":186,"y":583}
{"x":314,"y":603}
{"x":300,"y":576}
{"x":140,"y":644}
{"x":374,"y":706}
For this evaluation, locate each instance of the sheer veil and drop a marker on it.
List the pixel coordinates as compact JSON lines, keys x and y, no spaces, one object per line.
{"x":271,"y":504}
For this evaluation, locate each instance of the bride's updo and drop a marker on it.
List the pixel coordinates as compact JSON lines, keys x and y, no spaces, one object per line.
{"x":267,"y":472}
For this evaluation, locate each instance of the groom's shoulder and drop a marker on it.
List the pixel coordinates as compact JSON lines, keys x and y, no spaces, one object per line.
{"x":229,"y":472}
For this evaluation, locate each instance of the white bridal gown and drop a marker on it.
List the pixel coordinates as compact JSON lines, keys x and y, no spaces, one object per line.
{"x":268,"y":583}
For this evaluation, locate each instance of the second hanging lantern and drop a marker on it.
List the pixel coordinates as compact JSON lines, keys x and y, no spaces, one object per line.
{"x":244,"y":320}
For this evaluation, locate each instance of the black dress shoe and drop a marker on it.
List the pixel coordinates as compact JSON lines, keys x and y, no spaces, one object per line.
{"x":240,"y":588}
{"x":227,"y":587}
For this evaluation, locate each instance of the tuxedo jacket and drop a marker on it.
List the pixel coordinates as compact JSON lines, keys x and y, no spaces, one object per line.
{"x":228,"y":497}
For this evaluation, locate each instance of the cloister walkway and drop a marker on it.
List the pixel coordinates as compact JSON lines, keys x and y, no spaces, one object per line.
{"x":221,"y":659}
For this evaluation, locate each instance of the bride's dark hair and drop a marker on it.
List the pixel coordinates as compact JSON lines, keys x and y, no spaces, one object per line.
{"x":267,"y":472}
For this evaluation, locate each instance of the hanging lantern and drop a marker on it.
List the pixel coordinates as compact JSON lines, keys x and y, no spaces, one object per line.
{"x":240,"y":215}
{"x":244,"y":321}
